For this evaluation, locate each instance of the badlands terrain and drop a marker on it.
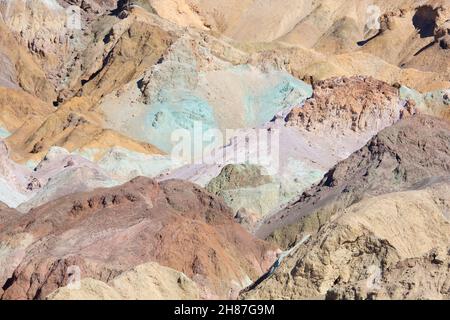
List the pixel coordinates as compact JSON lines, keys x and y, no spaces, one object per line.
{"x":211,"y":149}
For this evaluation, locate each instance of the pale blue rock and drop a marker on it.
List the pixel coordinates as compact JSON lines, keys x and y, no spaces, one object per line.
{"x":436,"y":103}
{"x":4,"y":133}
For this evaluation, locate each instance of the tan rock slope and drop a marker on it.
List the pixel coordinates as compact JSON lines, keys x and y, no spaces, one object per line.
{"x":21,"y":69}
{"x":19,"y":108}
{"x":379,"y":223}
{"x":121,"y":45}
{"x":378,"y":248}
{"x":73,"y":130}
{"x":149,"y":281}
{"x":411,"y":279}
{"x":69,"y":59}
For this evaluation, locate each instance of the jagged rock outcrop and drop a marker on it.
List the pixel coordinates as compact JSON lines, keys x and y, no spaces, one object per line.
{"x":355,"y":103}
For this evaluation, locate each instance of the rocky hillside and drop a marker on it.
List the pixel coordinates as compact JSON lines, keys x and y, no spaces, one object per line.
{"x":388,"y":246}
{"x":166,"y":149}
{"x":110,"y":231}
{"x":374,"y":216}
{"x":396,"y":159}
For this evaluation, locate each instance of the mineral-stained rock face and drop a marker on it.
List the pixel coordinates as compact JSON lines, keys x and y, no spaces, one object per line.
{"x":238,"y":176}
{"x":109,"y":231}
{"x":341,"y":116}
{"x":246,"y":187}
{"x":398,"y":158}
{"x":13,"y":179}
{"x":355,"y":103}
{"x":435,"y":103}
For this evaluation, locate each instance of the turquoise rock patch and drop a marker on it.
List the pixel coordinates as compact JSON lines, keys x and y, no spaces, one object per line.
{"x":287,"y":92}
{"x":407,"y":93}
{"x":4,"y":133}
{"x":177,"y":110}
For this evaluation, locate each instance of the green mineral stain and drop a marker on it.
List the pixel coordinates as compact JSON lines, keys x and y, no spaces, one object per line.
{"x":4,"y":133}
